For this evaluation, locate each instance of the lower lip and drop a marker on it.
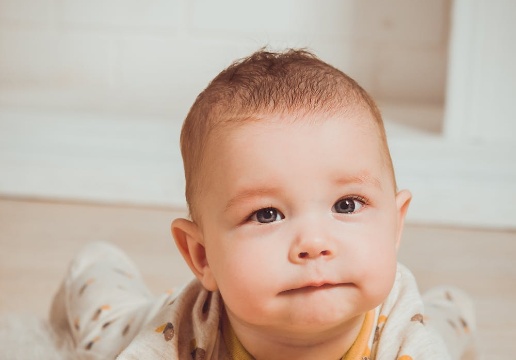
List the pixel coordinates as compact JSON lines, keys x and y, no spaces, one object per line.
{"x":310,"y":289}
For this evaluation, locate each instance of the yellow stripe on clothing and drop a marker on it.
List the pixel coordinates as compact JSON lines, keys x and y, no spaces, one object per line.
{"x":358,"y":350}
{"x":235,"y":349}
{"x":360,"y":347}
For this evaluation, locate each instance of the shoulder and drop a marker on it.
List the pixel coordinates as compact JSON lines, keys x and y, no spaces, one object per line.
{"x":184,"y":326}
{"x":402,"y":328}
{"x":404,"y":294}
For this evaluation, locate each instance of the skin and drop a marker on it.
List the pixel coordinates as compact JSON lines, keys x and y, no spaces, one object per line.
{"x":300,"y":229}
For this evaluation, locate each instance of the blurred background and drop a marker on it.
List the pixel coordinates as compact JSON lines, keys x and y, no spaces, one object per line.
{"x":93,"y":93}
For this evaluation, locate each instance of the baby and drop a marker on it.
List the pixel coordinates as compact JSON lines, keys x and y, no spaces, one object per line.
{"x":295,"y":223}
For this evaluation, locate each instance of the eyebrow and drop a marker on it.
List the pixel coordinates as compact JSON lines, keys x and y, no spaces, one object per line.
{"x":251,"y":193}
{"x":364,"y":178}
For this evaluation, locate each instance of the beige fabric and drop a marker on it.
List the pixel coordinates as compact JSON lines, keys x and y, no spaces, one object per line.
{"x":401,"y":330}
{"x":104,"y":307}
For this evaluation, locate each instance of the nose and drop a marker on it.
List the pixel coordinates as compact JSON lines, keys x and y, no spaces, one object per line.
{"x":312,"y":254}
{"x":310,"y":246}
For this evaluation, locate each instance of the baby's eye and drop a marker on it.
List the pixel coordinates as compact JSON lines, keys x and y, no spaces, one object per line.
{"x":348,"y":205}
{"x":267,"y":215}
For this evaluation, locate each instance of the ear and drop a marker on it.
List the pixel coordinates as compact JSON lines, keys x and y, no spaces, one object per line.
{"x":189,"y":241}
{"x":403,"y":199}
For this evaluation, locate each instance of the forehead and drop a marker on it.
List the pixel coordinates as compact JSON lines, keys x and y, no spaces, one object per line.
{"x":317,"y":142}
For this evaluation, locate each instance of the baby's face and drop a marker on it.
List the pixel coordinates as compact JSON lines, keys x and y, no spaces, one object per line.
{"x":301,"y":222}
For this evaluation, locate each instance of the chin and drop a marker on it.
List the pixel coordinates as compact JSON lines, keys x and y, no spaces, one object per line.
{"x":320,"y":318}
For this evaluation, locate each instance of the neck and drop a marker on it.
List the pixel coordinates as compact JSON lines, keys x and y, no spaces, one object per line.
{"x":272,"y":344}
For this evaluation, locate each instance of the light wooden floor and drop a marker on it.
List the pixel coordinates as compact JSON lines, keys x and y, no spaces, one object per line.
{"x":37,"y":239}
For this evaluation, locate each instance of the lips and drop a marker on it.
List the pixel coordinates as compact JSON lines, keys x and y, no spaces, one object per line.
{"x":311,"y":287}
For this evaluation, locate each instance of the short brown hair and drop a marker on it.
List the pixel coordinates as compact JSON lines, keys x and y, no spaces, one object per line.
{"x":294,"y":81}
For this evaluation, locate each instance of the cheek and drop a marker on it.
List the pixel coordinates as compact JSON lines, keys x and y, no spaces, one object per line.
{"x":385,"y":270}
{"x":378,"y":256}
{"x":245,"y":286}
{"x":242,"y":269}
{"x":384,"y":230}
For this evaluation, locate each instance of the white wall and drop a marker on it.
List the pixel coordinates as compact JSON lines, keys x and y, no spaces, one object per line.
{"x":482,"y":85}
{"x":93,"y":92}
{"x":154,"y":56}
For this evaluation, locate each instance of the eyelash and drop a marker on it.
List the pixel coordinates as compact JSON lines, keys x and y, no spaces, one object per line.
{"x":362,"y":200}
{"x":255,"y":212}
{"x":359,"y":198}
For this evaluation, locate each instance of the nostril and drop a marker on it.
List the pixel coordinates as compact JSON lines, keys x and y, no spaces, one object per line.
{"x":303,"y":255}
{"x":325,"y":252}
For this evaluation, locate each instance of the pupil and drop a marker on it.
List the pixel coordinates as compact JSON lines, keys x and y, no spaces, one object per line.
{"x":347,"y":205}
{"x":266,"y":215}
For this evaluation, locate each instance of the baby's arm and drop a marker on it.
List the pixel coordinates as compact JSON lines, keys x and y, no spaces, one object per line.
{"x":102,"y":303}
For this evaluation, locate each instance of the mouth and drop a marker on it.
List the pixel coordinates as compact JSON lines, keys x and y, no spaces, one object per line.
{"x":309,"y":288}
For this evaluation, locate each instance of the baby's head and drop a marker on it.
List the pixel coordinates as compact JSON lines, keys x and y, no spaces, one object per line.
{"x":295,"y":215}
{"x":294,"y":83}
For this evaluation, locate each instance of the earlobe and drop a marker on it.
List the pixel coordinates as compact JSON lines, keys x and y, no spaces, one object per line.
{"x":403,"y":199}
{"x":189,"y":241}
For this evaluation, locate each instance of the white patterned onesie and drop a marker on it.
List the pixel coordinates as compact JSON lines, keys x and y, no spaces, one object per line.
{"x":104,"y":310}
